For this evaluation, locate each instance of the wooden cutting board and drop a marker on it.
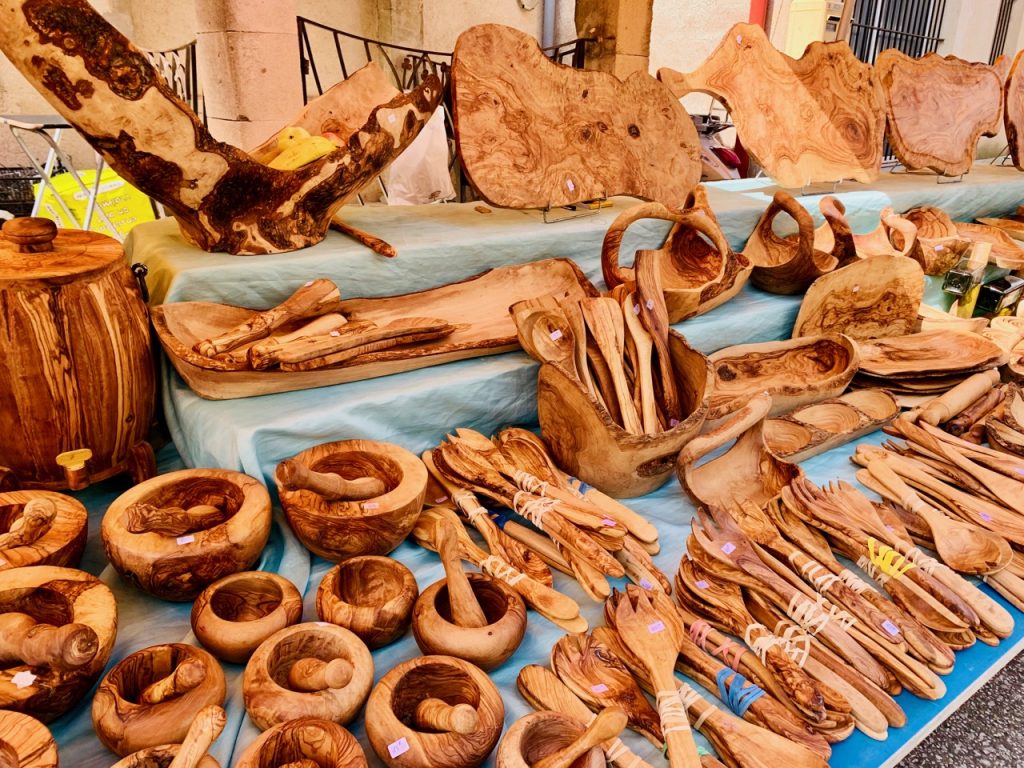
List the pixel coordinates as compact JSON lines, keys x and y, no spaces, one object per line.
{"x":534,"y":134}
{"x":813,"y":119}
{"x":939,"y":353}
{"x":1013,"y":115}
{"x":937,"y":108}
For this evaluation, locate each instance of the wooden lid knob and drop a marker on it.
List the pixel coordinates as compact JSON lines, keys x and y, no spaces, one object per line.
{"x":30,"y":234}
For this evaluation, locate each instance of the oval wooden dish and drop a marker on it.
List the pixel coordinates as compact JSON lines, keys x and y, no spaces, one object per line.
{"x":408,"y":714}
{"x":25,"y":742}
{"x":371,"y":596}
{"x":232,"y":616}
{"x":795,"y":372}
{"x":307,"y":670}
{"x":334,"y":519}
{"x":150,"y":697}
{"x":304,"y":742}
{"x":72,"y":616}
{"x":175,"y":534}
{"x":41,"y":528}
{"x":588,"y":444}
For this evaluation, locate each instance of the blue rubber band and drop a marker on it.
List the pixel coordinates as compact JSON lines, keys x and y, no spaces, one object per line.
{"x":499,"y":518}
{"x":582,"y":487}
{"x":737,"y":693}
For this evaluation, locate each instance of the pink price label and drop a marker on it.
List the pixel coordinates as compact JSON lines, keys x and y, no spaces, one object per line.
{"x":646,"y":584}
{"x":658,"y":626}
{"x":400,"y":747}
{"x":440,"y":499}
{"x":636,"y":309}
{"x":673,"y":422}
{"x":650,"y":303}
{"x":608,"y":521}
{"x":728,"y":547}
{"x":599,"y":688}
{"x":556,"y":335}
{"x":185,"y":539}
{"x":702,"y":584}
{"x":891,"y":628}
{"x":985,"y":516}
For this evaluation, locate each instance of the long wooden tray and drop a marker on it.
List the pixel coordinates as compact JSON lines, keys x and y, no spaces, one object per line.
{"x":477,"y":306}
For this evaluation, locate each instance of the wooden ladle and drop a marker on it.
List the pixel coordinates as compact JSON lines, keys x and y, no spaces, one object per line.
{"x":553,"y":340}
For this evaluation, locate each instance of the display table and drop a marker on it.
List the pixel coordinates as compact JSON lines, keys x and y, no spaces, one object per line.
{"x":439,"y":244}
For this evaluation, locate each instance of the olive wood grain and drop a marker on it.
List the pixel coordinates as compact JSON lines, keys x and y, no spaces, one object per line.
{"x":25,"y":742}
{"x":310,"y":675}
{"x":41,"y":528}
{"x":540,"y":735}
{"x":371,"y":596}
{"x":203,"y":731}
{"x":608,"y":724}
{"x":171,"y":521}
{"x":181,"y":680}
{"x":304,"y":743}
{"x":441,"y":716}
{"x":263,"y":350}
{"x":928,"y":353}
{"x":950,"y":403}
{"x":294,"y":476}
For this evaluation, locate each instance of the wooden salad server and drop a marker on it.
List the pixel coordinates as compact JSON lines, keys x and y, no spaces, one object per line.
{"x":606,"y":726}
{"x":66,"y":648}
{"x":604,"y":319}
{"x":260,"y":350}
{"x":644,"y":346}
{"x":354,"y":344}
{"x":310,"y":345}
{"x":574,"y":317}
{"x":171,"y":521}
{"x":650,"y":297}
{"x":294,"y":475}
{"x":544,"y":691}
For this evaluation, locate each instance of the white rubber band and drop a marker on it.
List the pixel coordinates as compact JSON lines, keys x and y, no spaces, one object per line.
{"x":499,"y":569}
{"x":672,"y":712}
{"x":853,"y":581}
{"x":689,"y":697}
{"x":532,"y":509}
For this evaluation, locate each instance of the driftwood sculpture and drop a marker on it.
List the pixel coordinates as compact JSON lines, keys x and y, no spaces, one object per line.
{"x":223,"y":198}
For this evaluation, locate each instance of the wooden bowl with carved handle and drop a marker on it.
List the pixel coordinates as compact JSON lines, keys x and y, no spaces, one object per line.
{"x":25,"y":742}
{"x":41,"y":528}
{"x":371,"y":596}
{"x":540,"y":734}
{"x":321,"y":742}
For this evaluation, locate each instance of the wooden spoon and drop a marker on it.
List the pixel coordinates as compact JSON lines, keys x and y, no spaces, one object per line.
{"x":604,"y":319}
{"x":574,"y":317}
{"x":643,"y":344}
{"x":654,"y":314}
{"x":607,"y":725}
{"x":553,"y":340}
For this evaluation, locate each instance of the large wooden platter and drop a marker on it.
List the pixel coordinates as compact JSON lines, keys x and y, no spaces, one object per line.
{"x":928,"y":353}
{"x":534,"y":134}
{"x":1013,"y":113}
{"x":937,"y":108}
{"x":812,"y":119}
{"x":477,"y":306}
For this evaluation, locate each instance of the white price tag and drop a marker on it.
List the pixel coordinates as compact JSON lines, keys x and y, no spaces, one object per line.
{"x":556,"y":335}
{"x":400,"y":747}
{"x":188,"y":539}
{"x":891,"y":628}
{"x":728,"y":547}
{"x":599,"y":688}
{"x":658,"y":626}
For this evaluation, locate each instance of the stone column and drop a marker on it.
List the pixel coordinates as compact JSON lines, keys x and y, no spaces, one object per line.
{"x":623,"y":29}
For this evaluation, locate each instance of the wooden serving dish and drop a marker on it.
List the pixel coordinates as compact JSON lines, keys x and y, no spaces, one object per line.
{"x":177,"y":554}
{"x":25,"y":742}
{"x":396,"y":733}
{"x":795,"y":372}
{"x":150,"y":698}
{"x":937,"y":246}
{"x":288,"y":677}
{"x":541,"y":734}
{"x":478,"y":307}
{"x":40,"y":677}
{"x":321,"y":742}
{"x":41,"y":528}
{"x":337,"y":529}
{"x":232,"y":616}
{"x":929,"y":353}
{"x":588,"y":444}
{"x":1006,"y":252}
{"x":370,"y":596}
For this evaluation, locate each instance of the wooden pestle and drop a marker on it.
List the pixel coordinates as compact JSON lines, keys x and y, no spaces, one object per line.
{"x":608,"y":724}
{"x":183,"y":679}
{"x":975,"y":412}
{"x":171,"y":521}
{"x":466,"y":611}
{"x":201,"y":734}
{"x":35,"y":520}
{"x":310,"y":675}
{"x":949,"y":404}
{"x":439,"y":715}
{"x":297,"y":476}
{"x":24,"y":640}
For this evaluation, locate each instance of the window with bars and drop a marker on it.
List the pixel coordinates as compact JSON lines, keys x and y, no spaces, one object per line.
{"x":912,"y":26}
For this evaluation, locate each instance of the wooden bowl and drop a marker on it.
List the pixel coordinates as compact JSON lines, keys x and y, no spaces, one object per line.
{"x":60,"y":542}
{"x":534,"y":737}
{"x":390,"y":710}
{"x":56,"y":596}
{"x":160,"y":757}
{"x":486,"y":647}
{"x":585,"y":442}
{"x":125,"y":723}
{"x":371,"y":596}
{"x":270,"y":700}
{"x":179,"y":567}
{"x":25,"y":742}
{"x":235,"y":614}
{"x":325,"y":743}
{"x":340,"y":529}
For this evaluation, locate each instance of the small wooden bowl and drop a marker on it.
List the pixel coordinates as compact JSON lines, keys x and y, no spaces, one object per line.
{"x":534,"y":737}
{"x":486,"y":647}
{"x":585,"y":442}
{"x":270,"y":701}
{"x":180,"y":567}
{"x":25,"y":742}
{"x":56,"y":596}
{"x":325,"y":743}
{"x":235,"y":614}
{"x":393,"y":702}
{"x":160,"y":757}
{"x":337,"y":530}
{"x":61,"y":543}
{"x":371,"y":596}
{"x":125,"y":724}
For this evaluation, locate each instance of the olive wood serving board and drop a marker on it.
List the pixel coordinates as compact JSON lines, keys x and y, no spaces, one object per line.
{"x":930,"y":352}
{"x":534,"y":134}
{"x":813,"y":119}
{"x":937,"y":108}
{"x":1013,"y":114}
{"x":478,"y":307}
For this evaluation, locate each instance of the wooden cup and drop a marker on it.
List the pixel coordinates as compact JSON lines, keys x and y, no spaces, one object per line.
{"x":25,"y":742}
{"x":325,"y":743}
{"x":36,"y":540}
{"x":371,"y":596}
{"x":532,"y":738}
{"x":235,"y":614}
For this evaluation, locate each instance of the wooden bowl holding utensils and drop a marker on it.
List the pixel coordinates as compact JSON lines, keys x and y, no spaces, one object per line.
{"x":41,"y":528}
{"x":191,"y":753}
{"x":25,"y":742}
{"x":57,"y":631}
{"x":232,"y":616}
{"x":372,"y":596}
{"x":553,"y":740}
{"x":410,"y":718}
{"x":150,"y":697}
{"x":307,"y":670}
{"x":177,"y":533}
{"x":304,"y":742}
{"x":352,"y":497}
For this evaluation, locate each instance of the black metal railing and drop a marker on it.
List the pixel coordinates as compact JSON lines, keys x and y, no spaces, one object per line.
{"x":911,"y":26}
{"x":178,"y":67}
{"x":1002,"y":27}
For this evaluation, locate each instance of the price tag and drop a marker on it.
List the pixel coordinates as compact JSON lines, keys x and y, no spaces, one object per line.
{"x":650,"y":303}
{"x":891,"y":628}
{"x":646,"y":584}
{"x":440,"y":499}
{"x":673,"y":423}
{"x":556,"y":335}
{"x":728,"y":547}
{"x":182,"y":540}
{"x":391,"y":119}
{"x":23,"y":679}
{"x":334,"y":333}
{"x":608,"y":521}
{"x":636,"y":309}
{"x":702,"y":584}
{"x":569,"y":185}
{"x":370,"y":505}
{"x":599,"y":688}
{"x":308,"y":284}
{"x":985,"y":516}
{"x":658,"y":626}
{"x":400,"y":747}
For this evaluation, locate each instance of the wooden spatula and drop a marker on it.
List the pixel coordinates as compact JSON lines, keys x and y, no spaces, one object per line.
{"x":654,"y":315}
{"x":604,"y":319}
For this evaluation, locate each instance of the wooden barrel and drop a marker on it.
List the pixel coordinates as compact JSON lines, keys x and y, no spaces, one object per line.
{"x":76,"y":366}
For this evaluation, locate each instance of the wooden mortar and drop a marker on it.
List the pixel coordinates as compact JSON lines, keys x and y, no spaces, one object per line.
{"x":326,"y":744}
{"x":337,"y":529}
{"x":41,"y":528}
{"x":178,"y":566}
{"x":274,"y":696}
{"x":371,"y":596}
{"x":390,"y":714}
{"x":67,"y":653}
{"x":540,"y":734}
{"x":232,"y":616}
{"x":150,"y":698}
{"x":25,"y":742}
{"x":160,"y":757}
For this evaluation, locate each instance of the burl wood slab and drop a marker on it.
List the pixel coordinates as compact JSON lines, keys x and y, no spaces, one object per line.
{"x":534,"y":134}
{"x":1013,"y":114}
{"x":937,"y":108}
{"x":813,"y":119}
{"x":223,"y":199}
